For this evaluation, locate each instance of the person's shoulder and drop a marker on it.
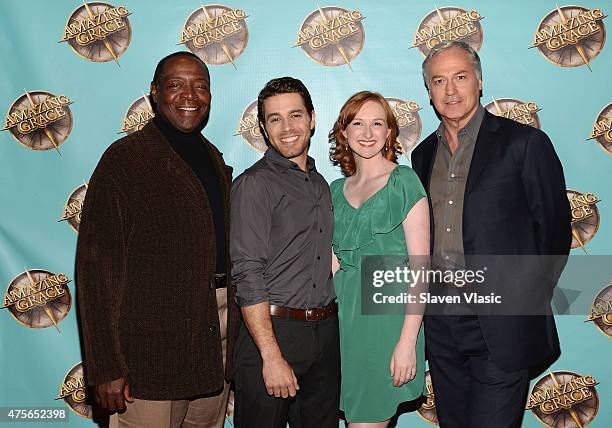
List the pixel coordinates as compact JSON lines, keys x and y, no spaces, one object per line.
{"x":255,"y":176}
{"x":337,"y":182}
{"x":405,"y":174}
{"x":120,"y":151}
{"x":430,"y":139}
{"x":520,"y":130}
{"x":320,"y":179}
{"x":337,"y":185}
{"x":138,"y":141}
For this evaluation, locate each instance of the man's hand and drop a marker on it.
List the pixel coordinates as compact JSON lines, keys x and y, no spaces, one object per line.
{"x":113,"y":395}
{"x":279,"y":378}
{"x":403,"y":363}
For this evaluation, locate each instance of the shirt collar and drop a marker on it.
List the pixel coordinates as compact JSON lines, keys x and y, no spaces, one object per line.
{"x":283,"y":164}
{"x":470,"y":129}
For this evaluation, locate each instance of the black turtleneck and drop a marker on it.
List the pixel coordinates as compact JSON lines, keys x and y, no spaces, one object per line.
{"x":193,"y":151}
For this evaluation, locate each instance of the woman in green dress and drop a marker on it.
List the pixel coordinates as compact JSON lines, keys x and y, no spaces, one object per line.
{"x":380,"y":208}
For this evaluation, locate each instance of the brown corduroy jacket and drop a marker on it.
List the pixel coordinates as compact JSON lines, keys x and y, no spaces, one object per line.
{"x":146,"y":257}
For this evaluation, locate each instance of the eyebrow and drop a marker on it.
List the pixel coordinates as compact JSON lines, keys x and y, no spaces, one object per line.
{"x":179,"y":77}
{"x":299,"y":110}
{"x":376,"y":118}
{"x":459,"y":72}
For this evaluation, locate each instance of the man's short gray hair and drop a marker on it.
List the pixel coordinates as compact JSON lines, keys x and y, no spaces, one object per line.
{"x":442,"y":46}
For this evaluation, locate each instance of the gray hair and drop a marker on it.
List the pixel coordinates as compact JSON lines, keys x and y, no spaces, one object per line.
{"x":442,"y":46}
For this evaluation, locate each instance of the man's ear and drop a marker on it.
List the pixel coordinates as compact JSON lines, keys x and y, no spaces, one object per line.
{"x":263,"y":130}
{"x":312,"y":120}
{"x":154,"y":92}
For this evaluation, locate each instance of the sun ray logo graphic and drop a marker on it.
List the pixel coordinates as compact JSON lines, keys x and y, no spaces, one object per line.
{"x":601,"y":311}
{"x":248,"y":128}
{"x":571,"y":36}
{"x":73,"y":391}
{"x":216,"y":34}
{"x":138,"y":114}
{"x":564,"y":399}
{"x":427,"y":411}
{"x":74,"y":206}
{"x":38,"y":298}
{"x":98,"y":32}
{"x":39,"y":120}
{"x":448,"y":24}
{"x":332,"y":36}
{"x":602,"y":129}
{"x":519,"y":111}
{"x":409,"y":122}
{"x":585,"y":217}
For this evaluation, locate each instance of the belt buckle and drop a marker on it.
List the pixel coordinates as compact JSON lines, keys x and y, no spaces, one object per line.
{"x":309,"y":312}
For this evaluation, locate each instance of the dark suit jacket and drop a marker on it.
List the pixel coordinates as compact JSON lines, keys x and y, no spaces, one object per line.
{"x":514,"y":204}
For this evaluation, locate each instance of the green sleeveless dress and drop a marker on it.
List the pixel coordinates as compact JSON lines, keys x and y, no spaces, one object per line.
{"x":367,"y":341}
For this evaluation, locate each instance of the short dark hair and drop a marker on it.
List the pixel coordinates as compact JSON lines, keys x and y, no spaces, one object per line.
{"x":159,"y":69}
{"x":282,"y":85}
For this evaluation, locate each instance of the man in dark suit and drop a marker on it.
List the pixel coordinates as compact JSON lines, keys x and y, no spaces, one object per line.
{"x":496,"y":187}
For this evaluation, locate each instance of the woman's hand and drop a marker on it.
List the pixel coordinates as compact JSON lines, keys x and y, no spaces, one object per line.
{"x":403,"y":363}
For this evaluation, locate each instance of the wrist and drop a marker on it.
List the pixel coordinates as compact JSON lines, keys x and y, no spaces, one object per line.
{"x":407,"y":341}
{"x":269,"y":354}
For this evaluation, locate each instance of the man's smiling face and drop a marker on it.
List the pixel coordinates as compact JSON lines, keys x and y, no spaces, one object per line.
{"x":182,"y":94}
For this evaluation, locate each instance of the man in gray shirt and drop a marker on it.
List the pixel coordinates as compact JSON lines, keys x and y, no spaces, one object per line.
{"x":280,"y":248}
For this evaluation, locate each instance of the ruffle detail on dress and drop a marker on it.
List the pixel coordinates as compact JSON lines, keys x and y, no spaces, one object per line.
{"x":381,"y":213}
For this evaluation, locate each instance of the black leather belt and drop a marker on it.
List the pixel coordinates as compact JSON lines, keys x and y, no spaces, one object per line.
{"x":219,"y":281}
{"x":314,"y":314}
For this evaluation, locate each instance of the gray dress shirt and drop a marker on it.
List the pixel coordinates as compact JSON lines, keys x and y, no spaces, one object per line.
{"x":281,"y":232}
{"x":447,"y":191}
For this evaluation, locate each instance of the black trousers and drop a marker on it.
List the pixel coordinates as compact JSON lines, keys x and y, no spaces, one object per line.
{"x":470,"y":390}
{"x":312,"y":350}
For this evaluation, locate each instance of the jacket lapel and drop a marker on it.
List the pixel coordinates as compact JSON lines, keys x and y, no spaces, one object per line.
{"x":430,"y":148}
{"x":224,"y":172}
{"x":488,"y":138}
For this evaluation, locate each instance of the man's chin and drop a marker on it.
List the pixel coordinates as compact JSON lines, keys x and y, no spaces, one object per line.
{"x":290,"y":154}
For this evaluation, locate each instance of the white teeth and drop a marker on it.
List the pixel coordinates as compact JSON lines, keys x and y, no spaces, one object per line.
{"x":289,"y":139}
{"x":188,"y":108}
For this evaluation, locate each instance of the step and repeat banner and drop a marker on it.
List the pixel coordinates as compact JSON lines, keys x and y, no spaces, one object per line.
{"x":75,"y":77}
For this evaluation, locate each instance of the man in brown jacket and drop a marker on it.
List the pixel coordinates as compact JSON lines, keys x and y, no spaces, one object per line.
{"x":154,"y":298}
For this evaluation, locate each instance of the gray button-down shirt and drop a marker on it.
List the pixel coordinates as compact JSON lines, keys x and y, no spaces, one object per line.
{"x":281,"y":232}
{"x":447,"y":191}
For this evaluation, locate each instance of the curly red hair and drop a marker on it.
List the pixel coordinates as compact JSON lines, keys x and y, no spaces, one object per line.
{"x":340,"y":153}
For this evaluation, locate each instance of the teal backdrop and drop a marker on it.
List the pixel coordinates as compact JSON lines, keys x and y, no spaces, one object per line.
{"x":34,"y":185}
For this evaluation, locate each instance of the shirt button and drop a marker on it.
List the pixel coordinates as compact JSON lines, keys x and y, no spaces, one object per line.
{"x":211,"y":328}
{"x":320,"y":230}
{"x":452,"y":175}
{"x":306,"y":179}
{"x":446,"y":257}
{"x":448,"y":229}
{"x":450,"y":202}
{"x":314,"y":285}
{"x":318,"y":257}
